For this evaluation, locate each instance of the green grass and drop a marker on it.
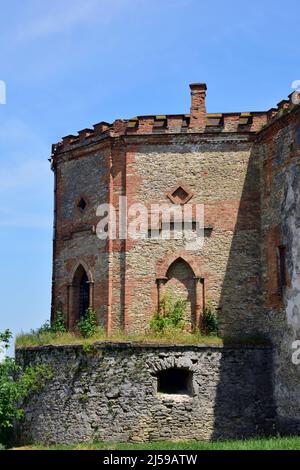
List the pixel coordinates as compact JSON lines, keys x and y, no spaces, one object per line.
{"x":176,"y":336}
{"x":272,"y":443}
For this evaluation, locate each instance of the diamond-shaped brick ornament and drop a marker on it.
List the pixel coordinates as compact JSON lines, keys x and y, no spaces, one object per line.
{"x":180,"y":194}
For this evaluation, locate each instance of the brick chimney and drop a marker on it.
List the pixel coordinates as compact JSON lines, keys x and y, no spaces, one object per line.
{"x":198,"y":109}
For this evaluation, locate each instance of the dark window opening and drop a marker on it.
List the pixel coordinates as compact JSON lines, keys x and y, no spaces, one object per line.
{"x":82,"y":204}
{"x":175,"y":381}
{"x":84,"y":295}
{"x":282,"y":266}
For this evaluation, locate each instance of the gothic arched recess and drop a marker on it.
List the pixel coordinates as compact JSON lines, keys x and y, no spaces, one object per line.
{"x":81,"y":298}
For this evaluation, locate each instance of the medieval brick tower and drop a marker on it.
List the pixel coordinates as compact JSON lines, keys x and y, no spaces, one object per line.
{"x":244,"y":169}
{"x":241,"y":166}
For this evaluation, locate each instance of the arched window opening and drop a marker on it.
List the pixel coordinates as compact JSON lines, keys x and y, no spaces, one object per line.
{"x":180,"y":284}
{"x":84,"y":295}
{"x":175,"y":381}
{"x":80,"y":300}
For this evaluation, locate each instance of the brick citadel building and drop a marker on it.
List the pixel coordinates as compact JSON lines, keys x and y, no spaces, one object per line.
{"x":244,"y":168}
{"x":239,"y":165}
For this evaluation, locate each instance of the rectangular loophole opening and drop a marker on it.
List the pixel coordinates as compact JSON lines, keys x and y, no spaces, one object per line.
{"x":175,"y":381}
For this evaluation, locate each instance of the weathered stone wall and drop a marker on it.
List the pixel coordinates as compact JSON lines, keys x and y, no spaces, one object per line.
{"x":249,"y":184}
{"x":220,"y":173}
{"x":217,"y":158}
{"x":279,"y":150}
{"x":84,"y":175}
{"x":109,"y":392}
{"x":223,"y":175}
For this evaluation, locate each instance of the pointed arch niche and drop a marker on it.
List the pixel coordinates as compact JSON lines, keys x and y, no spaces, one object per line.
{"x":180,"y":280}
{"x":80,"y":294}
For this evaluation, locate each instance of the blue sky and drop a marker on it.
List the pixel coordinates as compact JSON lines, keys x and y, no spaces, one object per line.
{"x":69,"y":64}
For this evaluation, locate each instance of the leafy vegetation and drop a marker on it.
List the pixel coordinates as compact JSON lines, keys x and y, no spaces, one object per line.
{"x":15,"y":385}
{"x":210,"y":324}
{"x":170,"y":315}
{"x":5,"y":338}
{"x":87,"y":325}
{"x":270,"y":443}
{"x":58,"y":325}
{"x":166,"y":326}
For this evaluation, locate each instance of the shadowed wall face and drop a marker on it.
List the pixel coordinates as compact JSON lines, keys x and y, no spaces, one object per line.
{"x":279,"y":151}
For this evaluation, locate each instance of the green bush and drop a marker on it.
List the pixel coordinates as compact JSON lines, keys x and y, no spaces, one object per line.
{"x":58,"y":324}
{"x":44,"y":328}
{"x":5,"y":338}
{"x":87,"y":325}
{"x":15,"y":385}
{"x":170,"y":314}
{"x":210,"y":324}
